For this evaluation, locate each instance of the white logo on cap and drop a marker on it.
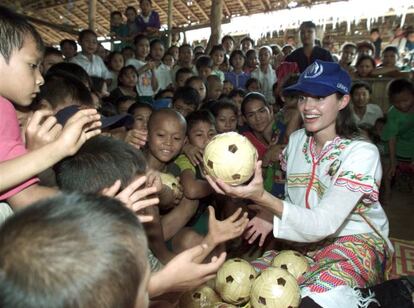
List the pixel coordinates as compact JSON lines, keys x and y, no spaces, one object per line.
{"x":313,"y":71}
{"x":342,"y":87}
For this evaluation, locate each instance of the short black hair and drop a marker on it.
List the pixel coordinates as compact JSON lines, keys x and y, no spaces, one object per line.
{"x":52,"y":51}
{"x":234,"y":53}
{"x":307,"y":24}
{"x":227,"y":37}
{"x":68,"y":250}
{"x":181,"y":71}
{"x":113,"y":13}
{"x":156,"y":41}
{"x":124,"y":70}
{"x":130,"y":8}
{"x":397,"y":86}
{"x":374,"y":30}
{"x":198,"y":116}
{"x":250,"y":81}
{"x":85,"y":32}
{"x":391,"y":48}
{"x":58,"y":87}
{"x":135,"y":106}
{"x":246,"y":38}
{"x":71,"y":69}
{"x":222,"y":105}
{"x":204,"y":61}
{"x":357,"y":84}
{"x":348,"y":45}
{"x":70,"y":42}
{"x":183,"y":46}
{"x":363,"y":58}
{"x":192,"y":79}
{"x":188,"y":96}
{"x":253,"y":96}
{"x":138,"y":38}
{"x":237,"y":92}
{"x":98,"y":164}
{"x":217,"y":48}
{"x":14,"y":29}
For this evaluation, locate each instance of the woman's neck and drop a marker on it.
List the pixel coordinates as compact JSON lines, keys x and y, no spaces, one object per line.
{"x":324,"y":136}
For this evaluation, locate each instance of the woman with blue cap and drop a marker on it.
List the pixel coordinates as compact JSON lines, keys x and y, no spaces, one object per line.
{"x":331,"y":206}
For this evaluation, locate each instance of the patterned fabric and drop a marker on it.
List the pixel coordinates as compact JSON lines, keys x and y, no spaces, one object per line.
{"x":353,"y":260}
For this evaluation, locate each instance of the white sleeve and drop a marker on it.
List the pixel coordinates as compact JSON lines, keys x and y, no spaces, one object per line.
{"x":355,"y":187}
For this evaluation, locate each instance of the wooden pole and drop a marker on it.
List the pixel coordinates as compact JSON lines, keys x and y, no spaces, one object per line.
{"x":92,"y":14}
{"x":170,"y":16}
{"x":216,"y":17}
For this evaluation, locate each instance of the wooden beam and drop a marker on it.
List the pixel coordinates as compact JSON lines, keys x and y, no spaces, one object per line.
{"x":74,"y":19}
{"x":200,"y":9}
{"x":226,"y":8}
{"x":64,"y":28}
{"x":37,"y":5}
{"x":216,"y":17}
{"x":243,"y":6}
{"x":190,"y":10}
{"x":169,"y":22}
{"x":181,"y":14}
{"x":92,"y":14}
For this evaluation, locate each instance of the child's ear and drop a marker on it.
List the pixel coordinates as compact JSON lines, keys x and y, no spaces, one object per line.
{"x":344,"y":101}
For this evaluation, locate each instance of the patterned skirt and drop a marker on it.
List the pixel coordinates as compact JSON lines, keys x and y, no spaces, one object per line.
{"x":354,"y":260}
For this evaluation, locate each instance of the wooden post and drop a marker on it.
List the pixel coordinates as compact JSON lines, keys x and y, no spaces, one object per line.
{"x":215,"y":19}
{"x":92,"y":14}
{"x":170,"y":15}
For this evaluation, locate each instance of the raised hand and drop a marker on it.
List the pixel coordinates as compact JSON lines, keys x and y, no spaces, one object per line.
{"x":259,"y":226}
{"x":41,"y":128}
{"x":194,"y":154}
{"x":136,"y":137}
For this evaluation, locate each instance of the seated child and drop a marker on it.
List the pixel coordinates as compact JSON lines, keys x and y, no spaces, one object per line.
{"x":61,"y":230}
{"x":197,"y":83}
{"x":186,"y":100}
{"x":225,"y":114}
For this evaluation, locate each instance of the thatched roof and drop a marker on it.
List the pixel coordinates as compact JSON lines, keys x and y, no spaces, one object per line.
{"x":73,"y":14}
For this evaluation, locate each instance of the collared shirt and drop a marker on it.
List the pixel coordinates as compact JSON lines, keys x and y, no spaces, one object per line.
{"x":372,"y":113}
{"x":96,"y":67}
{"x":318,"y":53}
{"x":237,"y":80}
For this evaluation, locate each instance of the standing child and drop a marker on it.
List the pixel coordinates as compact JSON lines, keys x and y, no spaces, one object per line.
{"x":147,"y":82}
{"x":148,"y":22}
{"x":127,"y":84}
{"x":91,"y":63}
{"x":265,"y":73}
{"x":162,"y":71}
{"x":204,"y":66}
{"x":185,"y":60}
{"x":20,"y":61}
{"x":237,"y":76}
{"x":217,"y":55}
{"x":115,"y":63}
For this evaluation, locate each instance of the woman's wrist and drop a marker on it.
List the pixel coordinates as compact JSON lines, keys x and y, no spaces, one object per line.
{"x":271,"y":203}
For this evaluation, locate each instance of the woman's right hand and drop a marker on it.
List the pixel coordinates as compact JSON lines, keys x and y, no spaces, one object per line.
{"x":253,"y":191}
{"x":259,"y":226}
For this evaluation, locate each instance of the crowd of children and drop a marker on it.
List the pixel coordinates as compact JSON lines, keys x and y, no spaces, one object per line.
{"x":84,"y":140}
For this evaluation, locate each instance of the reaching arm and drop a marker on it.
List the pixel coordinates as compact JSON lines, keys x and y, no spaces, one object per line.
{"x":194,"y":188}
{"x":30,"y":195}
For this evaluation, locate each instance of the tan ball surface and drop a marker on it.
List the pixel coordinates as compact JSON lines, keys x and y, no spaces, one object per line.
{"x":292,"y":261}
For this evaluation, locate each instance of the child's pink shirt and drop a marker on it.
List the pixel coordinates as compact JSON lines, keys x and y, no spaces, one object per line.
{"x":11,"y":144}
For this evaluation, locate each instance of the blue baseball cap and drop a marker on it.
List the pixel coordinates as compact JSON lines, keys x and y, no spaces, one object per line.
{"x":115,"y":121}
{"x":322,"y":79}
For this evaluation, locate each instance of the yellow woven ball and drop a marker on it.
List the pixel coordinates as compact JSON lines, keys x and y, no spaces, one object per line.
{"x":170,"y":181}
{"x":223,"y":305}
{"x":230,"y":157}
{"x":292,"y":261}
{"x":202,"y":297}
{"x":275,"y":288}
{"x":234,"y":281}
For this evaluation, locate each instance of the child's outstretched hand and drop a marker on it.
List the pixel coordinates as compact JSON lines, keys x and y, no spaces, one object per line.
{"x":183,"y":273}
{"x":134,"y":198}
{"x":41,"y":128}
{"x":82,"y":126}
{"x":154,"y":180}
{"x":137,"y":138}
{"x":260,"y":225}
{"x":228,"y":229}
{"x":194,"y":154}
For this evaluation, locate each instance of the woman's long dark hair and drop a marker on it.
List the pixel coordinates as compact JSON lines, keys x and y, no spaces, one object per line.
{"x":345,"y":125}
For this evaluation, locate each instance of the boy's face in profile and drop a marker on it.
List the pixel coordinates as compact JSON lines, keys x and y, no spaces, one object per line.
{"x":20,"y":78}
{"x":89,"y":44}
{"x":214,"y":89}
{"x":403,"y":101}
{"x":201,"y":133}
{"x":166,"y":137}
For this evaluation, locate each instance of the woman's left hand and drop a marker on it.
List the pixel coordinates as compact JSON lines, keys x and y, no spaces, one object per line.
{"x":253,"y":191}
{"x":259,"y":226}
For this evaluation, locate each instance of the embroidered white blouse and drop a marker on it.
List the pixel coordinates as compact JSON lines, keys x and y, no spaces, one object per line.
{"x":330,"y":194}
